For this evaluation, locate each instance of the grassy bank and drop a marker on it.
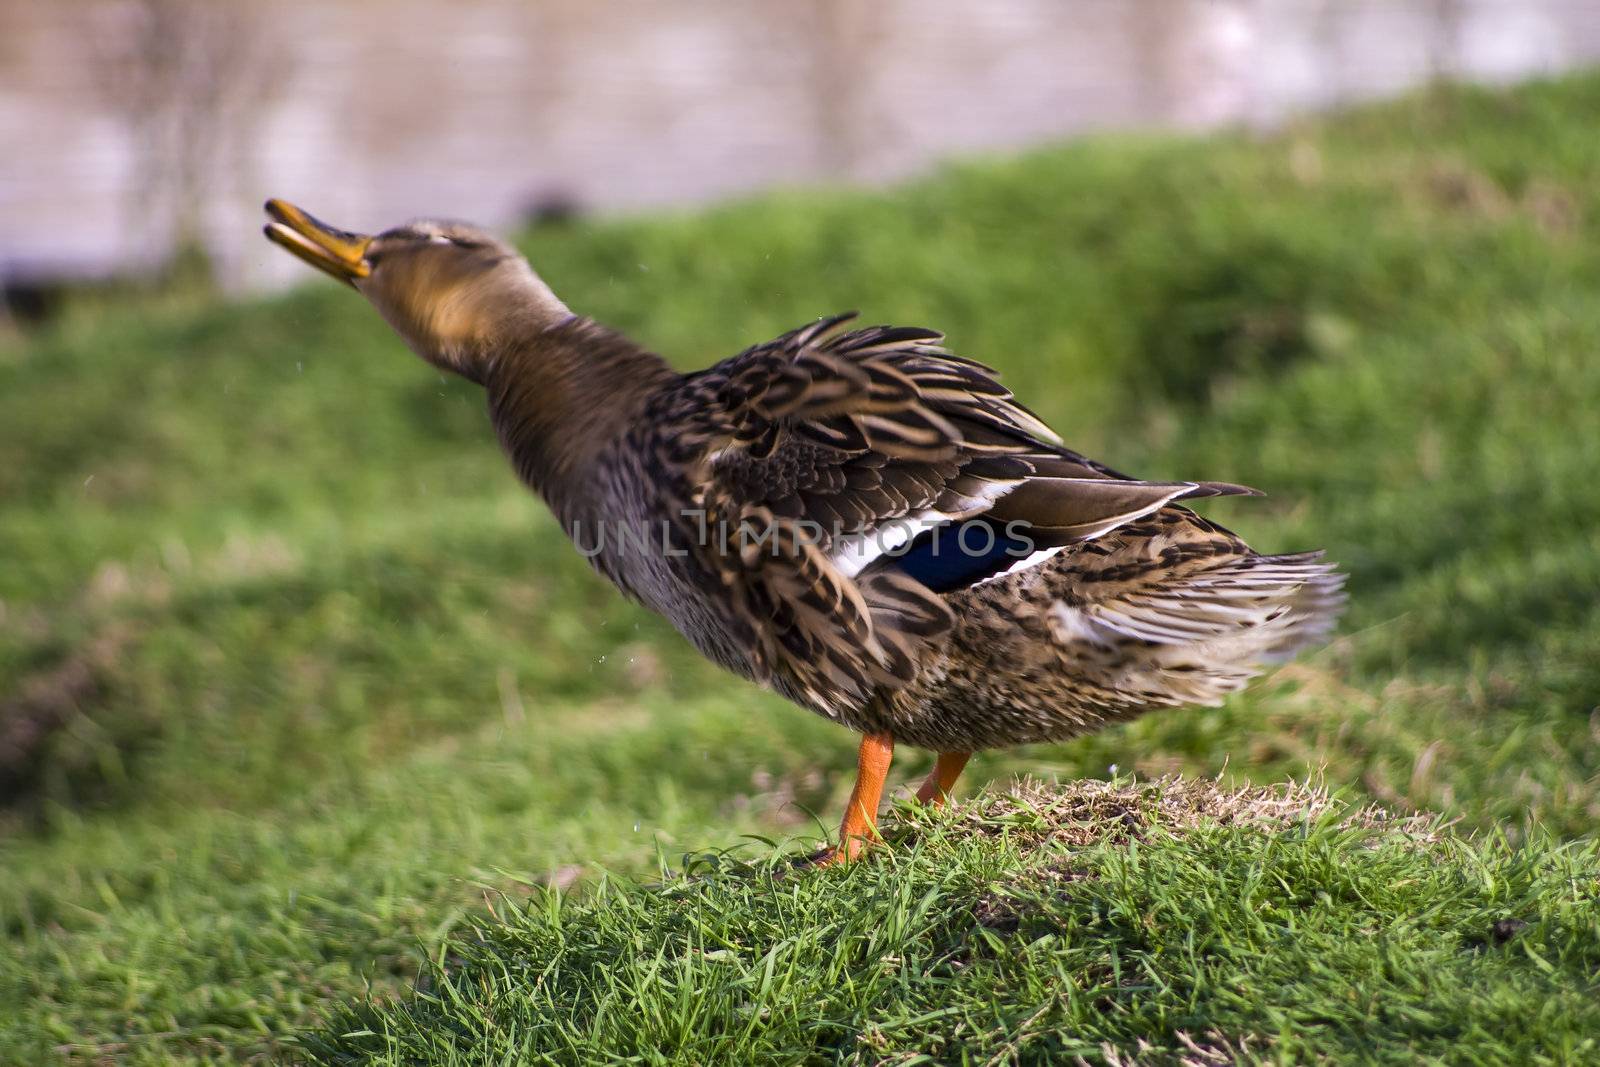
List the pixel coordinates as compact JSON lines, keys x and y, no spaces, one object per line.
{"x":1103,"y":921}
{"x":303,"y":679}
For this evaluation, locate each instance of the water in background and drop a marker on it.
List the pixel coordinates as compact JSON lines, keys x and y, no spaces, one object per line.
{"x":128,"y":127}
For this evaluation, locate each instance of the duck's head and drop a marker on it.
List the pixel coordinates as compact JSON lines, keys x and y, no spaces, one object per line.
{"x":456,"y":293}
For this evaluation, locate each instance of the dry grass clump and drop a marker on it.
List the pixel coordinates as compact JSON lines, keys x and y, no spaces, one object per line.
{"x":1096,"y":811}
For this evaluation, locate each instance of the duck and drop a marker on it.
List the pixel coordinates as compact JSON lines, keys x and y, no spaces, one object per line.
{"x":857,"y":518}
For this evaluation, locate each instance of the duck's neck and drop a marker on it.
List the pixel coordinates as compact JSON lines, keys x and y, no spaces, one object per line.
{"x":558,"y":396}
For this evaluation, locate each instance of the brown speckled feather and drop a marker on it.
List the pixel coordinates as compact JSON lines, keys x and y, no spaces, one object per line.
{"x":779,"y":470}
{"x":757,"y":497}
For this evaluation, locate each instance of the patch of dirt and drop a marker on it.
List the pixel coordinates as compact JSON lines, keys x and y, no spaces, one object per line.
{"x":782,"y":799}
{"x":45,"y":701}
{"x":1456,"y":186}
{"x":1501,"y":932}
{"x":994,"y":912}
{"x":1078,"y":814}
{"x":1092,"y":811}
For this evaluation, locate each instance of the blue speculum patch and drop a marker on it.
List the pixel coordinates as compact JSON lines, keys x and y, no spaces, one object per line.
{"x":960,"y":554}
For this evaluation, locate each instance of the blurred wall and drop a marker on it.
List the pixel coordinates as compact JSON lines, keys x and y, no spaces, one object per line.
{"x":131,"y":127}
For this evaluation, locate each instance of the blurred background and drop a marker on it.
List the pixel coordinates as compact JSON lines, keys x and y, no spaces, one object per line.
{"x":294,"y":675}
{"x":141,"y":130}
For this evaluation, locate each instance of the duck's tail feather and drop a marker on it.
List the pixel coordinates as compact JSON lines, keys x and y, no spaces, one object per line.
{"x":1195,"y":638}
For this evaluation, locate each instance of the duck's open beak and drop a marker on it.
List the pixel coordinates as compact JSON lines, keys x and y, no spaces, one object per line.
{"x":341,"y":254}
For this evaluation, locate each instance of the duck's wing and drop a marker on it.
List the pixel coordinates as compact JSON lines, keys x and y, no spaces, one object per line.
{"x":832,"y":468}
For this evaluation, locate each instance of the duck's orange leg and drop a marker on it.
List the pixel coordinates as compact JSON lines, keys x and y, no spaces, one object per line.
{"x":946,"y":769}
{"x":860,"y":823}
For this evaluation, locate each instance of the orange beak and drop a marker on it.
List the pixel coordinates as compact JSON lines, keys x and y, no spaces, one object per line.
{"x":333,"y":251}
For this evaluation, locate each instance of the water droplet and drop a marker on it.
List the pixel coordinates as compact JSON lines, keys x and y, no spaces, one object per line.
{"x":635,"y":827}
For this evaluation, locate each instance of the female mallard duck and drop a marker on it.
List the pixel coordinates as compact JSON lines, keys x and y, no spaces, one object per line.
{"x":859,"y":519}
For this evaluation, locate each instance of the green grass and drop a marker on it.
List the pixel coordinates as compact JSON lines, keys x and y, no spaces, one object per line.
{"x":1042,"y":925}
{"x":311,"y":681}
